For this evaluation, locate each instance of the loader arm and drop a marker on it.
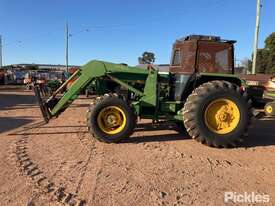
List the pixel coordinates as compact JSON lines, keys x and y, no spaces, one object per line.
{"x":52,"y":107}
{"x":84,"y":78}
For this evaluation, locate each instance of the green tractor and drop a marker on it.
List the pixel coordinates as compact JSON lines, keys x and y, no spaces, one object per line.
{"x":199,"y":93}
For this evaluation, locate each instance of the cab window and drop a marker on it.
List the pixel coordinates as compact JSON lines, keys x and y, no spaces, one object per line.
{"x":176,"y":58}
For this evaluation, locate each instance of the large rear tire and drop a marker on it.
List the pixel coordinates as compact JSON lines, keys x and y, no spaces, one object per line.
{"x":217,"y":114}
{"x":110,"y":119}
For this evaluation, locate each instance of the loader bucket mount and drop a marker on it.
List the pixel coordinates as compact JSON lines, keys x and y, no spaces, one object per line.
{"x":44,"y":109}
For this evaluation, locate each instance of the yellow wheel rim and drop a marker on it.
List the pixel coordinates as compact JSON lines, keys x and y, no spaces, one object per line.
{"x":222,"y":116}
{"x":269,"y":109}
{"x":111,"y":120}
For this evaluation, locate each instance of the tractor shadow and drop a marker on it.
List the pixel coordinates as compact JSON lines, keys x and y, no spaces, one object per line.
{"x":27,"y":130}
{"x":156,"y":138}
{"x":262,"y":133}
{"x":149,"y":127}
{"x":142,"y":127}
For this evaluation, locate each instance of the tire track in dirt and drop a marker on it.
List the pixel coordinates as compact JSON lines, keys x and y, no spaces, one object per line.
{"x":28,"y":168}
{"x":73,"y":170}
{"x":91,"y":180}
{"x":56,"y":183}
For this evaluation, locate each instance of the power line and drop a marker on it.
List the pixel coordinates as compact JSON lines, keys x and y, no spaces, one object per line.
{"x":102,"y":27}
{"x":28,"y":38}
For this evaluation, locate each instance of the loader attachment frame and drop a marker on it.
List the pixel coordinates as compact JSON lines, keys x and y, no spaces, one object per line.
{"x":44,"y":109}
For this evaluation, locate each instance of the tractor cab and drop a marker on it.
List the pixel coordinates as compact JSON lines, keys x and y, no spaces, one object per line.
{"x":204,"y":54}
{"x":195,"y":55}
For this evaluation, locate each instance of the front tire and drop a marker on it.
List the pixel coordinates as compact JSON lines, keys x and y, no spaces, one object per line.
{"x":110,"y":119}
{"x":216,"y":114}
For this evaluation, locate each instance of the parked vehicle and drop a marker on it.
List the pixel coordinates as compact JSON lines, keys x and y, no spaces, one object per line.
{"x":200,"y":92}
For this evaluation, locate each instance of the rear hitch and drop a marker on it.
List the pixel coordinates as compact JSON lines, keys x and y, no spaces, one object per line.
{"x":43,"y":107}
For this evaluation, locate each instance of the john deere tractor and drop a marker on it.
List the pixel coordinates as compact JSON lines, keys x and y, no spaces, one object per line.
{"x":200,"y":92}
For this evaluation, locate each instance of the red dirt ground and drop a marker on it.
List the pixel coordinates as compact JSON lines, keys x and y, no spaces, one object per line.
{"x":61,"y":164}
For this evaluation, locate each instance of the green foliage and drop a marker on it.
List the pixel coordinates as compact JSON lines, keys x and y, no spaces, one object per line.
{"x":147,"y":58}
{"x":270,"y":47}
{"x":270,"y":43}
{"x":266,"y":56}
{"x":249,"y":65}
{"x":262,"y":61}
{"x":53,"y":84}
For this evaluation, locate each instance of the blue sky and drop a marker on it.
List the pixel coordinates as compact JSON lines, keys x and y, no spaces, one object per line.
{"x":120,"y":30}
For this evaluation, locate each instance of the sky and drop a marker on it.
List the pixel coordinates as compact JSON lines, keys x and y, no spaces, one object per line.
{"x":119,"y":31}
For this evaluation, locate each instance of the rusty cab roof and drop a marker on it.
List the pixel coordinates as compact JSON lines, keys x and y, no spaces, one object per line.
{"x":190,"y":57}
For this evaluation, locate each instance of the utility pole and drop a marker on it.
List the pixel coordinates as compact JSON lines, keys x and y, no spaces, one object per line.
{"x":1,"y":50}
{"x":256,"y":37}
{"x":67,"y":48}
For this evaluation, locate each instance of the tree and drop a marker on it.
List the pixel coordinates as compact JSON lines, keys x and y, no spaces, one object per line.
{"x":270,"y":47}
{"x":270,"y":42}
{"x":147,"y":58}
{"x":262,"y":61}
{"x":266,"y":56}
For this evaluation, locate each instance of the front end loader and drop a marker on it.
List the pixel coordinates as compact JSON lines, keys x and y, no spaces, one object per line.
{"x":199,"y":93}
